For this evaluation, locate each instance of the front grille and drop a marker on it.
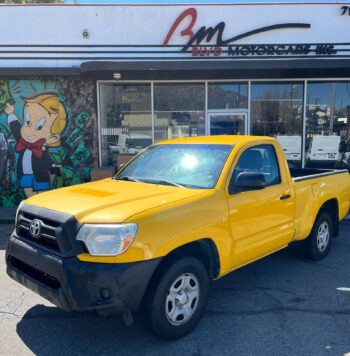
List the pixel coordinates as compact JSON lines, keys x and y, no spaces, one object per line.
{"x":47,"y":237}
{"x":34,"y":273}
{"x":58,"y":230}
{"x":49,"y":242}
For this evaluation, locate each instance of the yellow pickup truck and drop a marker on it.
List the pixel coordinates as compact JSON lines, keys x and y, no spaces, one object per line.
{"x":181,"y":213}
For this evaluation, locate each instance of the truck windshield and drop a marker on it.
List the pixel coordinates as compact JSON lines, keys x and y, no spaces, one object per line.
{"x":188,"y":165}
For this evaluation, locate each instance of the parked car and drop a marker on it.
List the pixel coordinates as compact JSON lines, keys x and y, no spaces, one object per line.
{"x":344,"y":160}
{"x":7,"y":161}
{"x":181,"y":213}
{"x":291,"y":146}
{"x":132,"y":143}
{"x":323,"y":151}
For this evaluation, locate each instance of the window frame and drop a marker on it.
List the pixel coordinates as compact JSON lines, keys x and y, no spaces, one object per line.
{"x":231,"y":187}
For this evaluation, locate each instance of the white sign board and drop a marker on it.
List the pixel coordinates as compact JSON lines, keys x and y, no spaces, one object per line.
{"x":68,"y":35}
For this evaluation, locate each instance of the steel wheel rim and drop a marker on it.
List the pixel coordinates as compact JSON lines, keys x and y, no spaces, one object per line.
{"x":323,"y":236}
{"x":182,"y":299}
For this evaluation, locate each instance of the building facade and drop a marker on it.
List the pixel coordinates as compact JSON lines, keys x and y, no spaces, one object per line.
{"x":84,"y":86}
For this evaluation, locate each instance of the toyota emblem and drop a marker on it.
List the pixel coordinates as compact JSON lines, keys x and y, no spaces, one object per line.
{"x":35,"y":228}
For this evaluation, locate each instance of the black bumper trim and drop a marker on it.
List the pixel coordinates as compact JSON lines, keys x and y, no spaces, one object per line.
{"x":61,"y":226}
{"x":72,"y":284}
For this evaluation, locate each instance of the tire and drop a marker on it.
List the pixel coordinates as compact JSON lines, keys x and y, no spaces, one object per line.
{"x":176,"y":299}
{"x":319,"y":242}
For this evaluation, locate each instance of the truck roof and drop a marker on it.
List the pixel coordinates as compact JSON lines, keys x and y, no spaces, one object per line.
{"x":219,"y":139}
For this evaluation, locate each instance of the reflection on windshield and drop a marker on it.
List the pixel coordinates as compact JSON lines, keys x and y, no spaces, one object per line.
{"x":188,"y":165}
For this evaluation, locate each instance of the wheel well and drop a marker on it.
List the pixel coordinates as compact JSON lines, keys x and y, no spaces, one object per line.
{"x":205,"y":250}
{"x":331,"y":207}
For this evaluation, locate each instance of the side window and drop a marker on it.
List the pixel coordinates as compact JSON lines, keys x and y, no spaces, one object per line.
{"x":260,"y":159}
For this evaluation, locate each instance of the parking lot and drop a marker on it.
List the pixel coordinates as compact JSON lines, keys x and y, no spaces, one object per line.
{"x":282,"y":304}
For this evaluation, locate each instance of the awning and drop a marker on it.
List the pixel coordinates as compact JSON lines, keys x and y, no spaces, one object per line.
{"x":219,"y":69}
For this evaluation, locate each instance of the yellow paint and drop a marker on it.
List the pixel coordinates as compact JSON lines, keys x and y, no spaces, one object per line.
{"x":244,"y":226}
{"x":315,"y":188}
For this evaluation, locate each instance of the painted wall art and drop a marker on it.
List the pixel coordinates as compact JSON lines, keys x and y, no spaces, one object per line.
{"x":48,"y":136}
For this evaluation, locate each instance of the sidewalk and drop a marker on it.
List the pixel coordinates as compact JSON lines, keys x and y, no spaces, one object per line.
{"x":7,"y":215}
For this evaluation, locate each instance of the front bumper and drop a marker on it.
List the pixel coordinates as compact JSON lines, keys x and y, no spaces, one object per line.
{"x":75,"y":285}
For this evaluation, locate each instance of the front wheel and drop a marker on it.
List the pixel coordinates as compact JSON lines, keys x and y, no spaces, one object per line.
{"x":319,"y":242}
{"x":177,"y":298}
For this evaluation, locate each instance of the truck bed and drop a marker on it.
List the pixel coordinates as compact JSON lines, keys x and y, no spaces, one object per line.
{"x":312,"y":187}
{"x":300,"y":174}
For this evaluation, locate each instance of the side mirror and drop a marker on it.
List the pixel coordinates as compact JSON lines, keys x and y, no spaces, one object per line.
{"x":250,"y":180}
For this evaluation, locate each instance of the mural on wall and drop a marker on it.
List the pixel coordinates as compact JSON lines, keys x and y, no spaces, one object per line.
{"x":48,"y":136}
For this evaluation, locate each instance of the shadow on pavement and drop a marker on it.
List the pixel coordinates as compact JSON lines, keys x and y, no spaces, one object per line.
{"x":281,"y":297}
{"x":50,"y":330}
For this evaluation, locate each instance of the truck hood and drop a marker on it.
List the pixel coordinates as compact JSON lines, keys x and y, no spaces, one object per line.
{"x":110,"y":200}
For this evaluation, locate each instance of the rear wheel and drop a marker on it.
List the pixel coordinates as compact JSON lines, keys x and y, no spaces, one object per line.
{"x":319,"y":242}
{"x":177,"y":298}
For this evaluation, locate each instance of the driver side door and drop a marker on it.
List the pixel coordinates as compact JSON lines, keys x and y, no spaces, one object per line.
{"x":261,"y":221}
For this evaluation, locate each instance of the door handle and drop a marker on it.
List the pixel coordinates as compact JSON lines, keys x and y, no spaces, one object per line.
{"x":284,"y":197}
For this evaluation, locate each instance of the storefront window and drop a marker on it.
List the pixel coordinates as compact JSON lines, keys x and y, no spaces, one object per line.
{"x":179,"y":110}
{"x":327,"y":126}
{"x":227,"y":124}
{"x":227,"y":96}
{"x":126,"y":121}
{"x":277,"y":110}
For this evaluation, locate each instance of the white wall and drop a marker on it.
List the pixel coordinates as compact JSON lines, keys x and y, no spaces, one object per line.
{"x":149,"y":25}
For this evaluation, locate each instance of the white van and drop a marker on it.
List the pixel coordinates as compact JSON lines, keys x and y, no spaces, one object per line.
{"x":291,"y":146}
{"x":324,"y":148}
{"x":132,"y":143}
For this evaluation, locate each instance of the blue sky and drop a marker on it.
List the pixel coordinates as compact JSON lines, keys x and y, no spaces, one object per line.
{"x":183,"y":1}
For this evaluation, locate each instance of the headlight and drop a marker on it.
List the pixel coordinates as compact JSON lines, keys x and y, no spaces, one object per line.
{"x":107,"y":239}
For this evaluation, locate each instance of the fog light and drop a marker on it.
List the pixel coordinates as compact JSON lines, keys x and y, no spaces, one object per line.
{"x":105,"y":293}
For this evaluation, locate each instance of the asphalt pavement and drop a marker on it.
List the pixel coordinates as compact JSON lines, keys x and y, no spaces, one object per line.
{"x":281,"y":304}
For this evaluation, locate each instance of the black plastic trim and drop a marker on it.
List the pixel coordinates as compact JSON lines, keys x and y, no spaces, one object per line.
{"x":75,"y":285}
{"x":65,"y":228}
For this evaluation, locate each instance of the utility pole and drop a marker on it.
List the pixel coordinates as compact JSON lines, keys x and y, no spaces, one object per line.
{"x":331,"y":122}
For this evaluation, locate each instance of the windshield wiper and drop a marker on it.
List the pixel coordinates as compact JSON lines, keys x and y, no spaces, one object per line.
{"x":129,"y":179}
{"x":162,"y":181}
{"x":167,"y":182}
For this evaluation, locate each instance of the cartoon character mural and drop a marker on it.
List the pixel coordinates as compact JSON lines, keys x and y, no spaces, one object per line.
{"x":44,"y":121}
{"x":50,"y":125}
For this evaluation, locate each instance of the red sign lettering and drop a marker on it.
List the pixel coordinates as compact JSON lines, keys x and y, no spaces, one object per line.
{"x":206,"y":51}
{"x":188,"y":30}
